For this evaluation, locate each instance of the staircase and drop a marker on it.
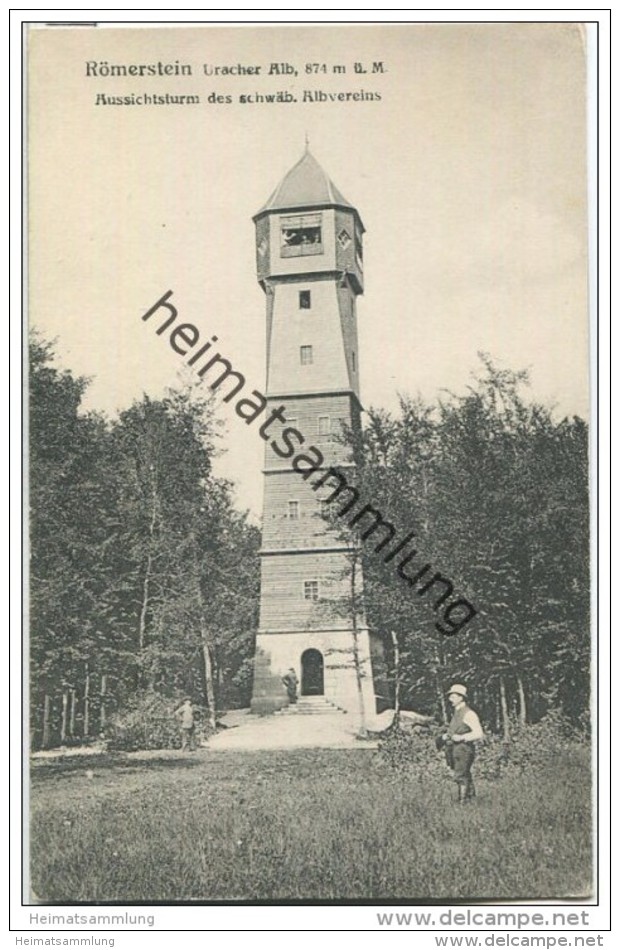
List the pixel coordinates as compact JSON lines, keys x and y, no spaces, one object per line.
{"x":310,"y":706}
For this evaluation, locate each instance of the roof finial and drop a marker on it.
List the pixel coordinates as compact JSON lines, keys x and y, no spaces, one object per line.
{"x":307,"y":142}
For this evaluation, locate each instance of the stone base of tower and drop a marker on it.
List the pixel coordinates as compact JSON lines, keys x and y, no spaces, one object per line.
{"x":325,"y":666}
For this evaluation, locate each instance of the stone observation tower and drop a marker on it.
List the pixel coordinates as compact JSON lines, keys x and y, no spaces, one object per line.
{"x":310,"y":266}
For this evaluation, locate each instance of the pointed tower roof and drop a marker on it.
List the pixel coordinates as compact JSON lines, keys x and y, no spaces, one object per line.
{"x":306,"y":185}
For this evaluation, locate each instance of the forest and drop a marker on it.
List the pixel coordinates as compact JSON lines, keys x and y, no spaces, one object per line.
{"x":496,"y":490}
{"x":144,"y":576}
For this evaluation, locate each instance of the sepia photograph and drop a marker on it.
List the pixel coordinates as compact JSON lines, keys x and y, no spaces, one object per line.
{"x":308,"y":607}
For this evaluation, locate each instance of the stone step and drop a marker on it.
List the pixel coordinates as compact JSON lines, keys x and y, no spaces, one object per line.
{"x":312,"y":702}
{"x":310,"y":706}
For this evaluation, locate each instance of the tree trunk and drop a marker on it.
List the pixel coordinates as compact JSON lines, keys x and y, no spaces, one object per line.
{"x":356,"y":650}
{"x":73,"y":698}
{"x":63,"y":721}
{"x":102,"y":715}
{"x":206,"y":653}
{"x":439,"y":685}
{"x":397,"y":683}
{"x":522,"y":702}
{"x":504,"y":709}
{"x":149,"y":567}
{"x":219,"y":681}
{"x":442,"y":701}
{"x":145,"y":602}
{"x":47,"y":703}
{"x":87,"y":703}
{"x":205,"y":637}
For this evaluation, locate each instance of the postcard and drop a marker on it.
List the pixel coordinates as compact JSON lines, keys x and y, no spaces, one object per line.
{"x":309,"y":410}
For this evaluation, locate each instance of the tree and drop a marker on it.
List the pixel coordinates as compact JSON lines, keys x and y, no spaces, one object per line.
{"x":184,"y":541}
{"x":71,"y":536}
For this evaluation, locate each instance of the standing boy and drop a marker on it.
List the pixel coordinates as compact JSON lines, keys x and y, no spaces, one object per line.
{"x":185,"y":713}
{"x":463,"y":731}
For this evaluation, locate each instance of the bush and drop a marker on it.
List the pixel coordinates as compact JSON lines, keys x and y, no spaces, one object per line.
{"x":530,"y":748}
{"x":148,"y":721}
{"x":413,"y":751}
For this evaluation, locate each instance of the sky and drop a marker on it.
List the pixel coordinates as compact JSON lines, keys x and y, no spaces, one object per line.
{"x":467,"y":165}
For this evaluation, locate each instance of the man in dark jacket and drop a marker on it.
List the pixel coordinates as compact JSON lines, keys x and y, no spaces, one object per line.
{"x":290,"y":681}
{"x":463,"y":731}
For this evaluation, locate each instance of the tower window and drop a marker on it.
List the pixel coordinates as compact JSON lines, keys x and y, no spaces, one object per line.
{"x":305,"y":355}
{"x":293,"y":510}
{"x":301,"y":234}
{"x":324,"y":425}
{"x":353,"y":358}
{"x":311,"y":590}
{"x":304,"y":300}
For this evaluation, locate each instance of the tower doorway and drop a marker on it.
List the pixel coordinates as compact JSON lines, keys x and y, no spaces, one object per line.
{"x":312,"y":673}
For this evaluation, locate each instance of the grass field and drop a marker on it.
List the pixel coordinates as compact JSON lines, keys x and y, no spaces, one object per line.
{"x":302,"y":825}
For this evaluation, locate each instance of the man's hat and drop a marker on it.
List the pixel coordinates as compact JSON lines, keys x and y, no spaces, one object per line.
{"x":458,"y":689}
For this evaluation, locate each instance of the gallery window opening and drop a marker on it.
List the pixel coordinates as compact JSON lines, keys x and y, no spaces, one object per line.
{"x":300,"y":235}
{"x":304,"y":300}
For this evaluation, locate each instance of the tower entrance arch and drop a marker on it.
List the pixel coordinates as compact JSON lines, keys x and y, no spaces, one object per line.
{"x":312,"y":673}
